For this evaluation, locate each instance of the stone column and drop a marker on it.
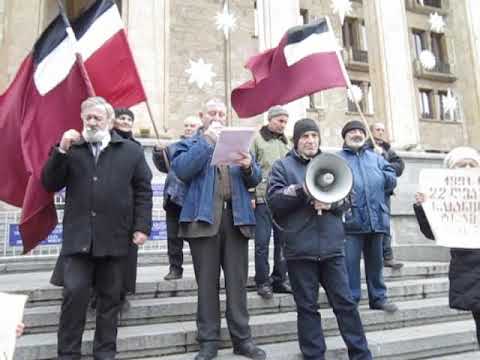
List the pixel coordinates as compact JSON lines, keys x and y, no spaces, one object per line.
{"x":473,"y":29}
{"x":18,"y":35}
{"x":391,"y":70}
{"x":274,"y":19}
{"x":147,"y":24}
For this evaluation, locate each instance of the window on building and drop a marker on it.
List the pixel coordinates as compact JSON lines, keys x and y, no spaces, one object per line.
{"x":255,"y":20}
{"x":305,"y":18}
{"x":76,"y":7}
{"x":445,"y":115}
{"x":350,"y":34}
{"x":432,"y":3}
{"x":426,"y":103}
{"x":419,"y":41}
{"x":354,"y":36}
{"x":439,"y":47}
{"x":363,"y":36}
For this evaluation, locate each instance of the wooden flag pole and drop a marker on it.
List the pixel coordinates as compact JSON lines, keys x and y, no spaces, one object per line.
{"x":78,"y":55}
{"x":349,"y":87}
{"x":83,"y":69}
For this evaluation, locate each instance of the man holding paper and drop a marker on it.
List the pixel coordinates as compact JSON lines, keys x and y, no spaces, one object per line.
{"x":217,"y":219}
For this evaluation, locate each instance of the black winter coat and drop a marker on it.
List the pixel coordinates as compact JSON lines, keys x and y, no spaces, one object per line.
{"x":464,"y":273}
{"x":307,"y":235}
{"x":105,"y":202}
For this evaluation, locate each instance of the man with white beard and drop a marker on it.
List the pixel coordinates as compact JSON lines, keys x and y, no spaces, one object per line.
{"x":368,"y":218}
{"x":108,"y":198}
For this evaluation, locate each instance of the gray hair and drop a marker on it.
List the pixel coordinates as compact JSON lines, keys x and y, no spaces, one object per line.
{"x":215,"y":102}
{"x":193,"y":120}
{"x":98,"y":101}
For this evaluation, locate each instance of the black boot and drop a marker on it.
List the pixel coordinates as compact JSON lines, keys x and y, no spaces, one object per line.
{"x":174,"y":274}
{"x":208,"y":351}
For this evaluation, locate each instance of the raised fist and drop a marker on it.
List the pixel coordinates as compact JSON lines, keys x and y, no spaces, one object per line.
{"x":68,"y":138}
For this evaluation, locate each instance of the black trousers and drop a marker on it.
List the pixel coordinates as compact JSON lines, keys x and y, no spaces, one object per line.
{"x":79,"y":275}
{"x":476,"y":317}
{"x":305,"y":277}
{"x":174,"y":243}
{"x":228,"y":250}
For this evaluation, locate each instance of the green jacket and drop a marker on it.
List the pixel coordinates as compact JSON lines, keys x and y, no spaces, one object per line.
{"x":267,"y":148}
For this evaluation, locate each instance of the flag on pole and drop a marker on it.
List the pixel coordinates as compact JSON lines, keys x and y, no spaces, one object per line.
{"x":305,"y":61}
{"x":43,"y":101}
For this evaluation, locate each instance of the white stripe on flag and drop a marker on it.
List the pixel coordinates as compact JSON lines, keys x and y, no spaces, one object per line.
{"x":56,"y":66}
{"x":314,"y":44}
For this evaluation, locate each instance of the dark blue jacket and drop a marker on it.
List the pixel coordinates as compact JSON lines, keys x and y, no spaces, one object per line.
{"x":174,"y":189}
{"x":373,"y":178}
{"x":306,"y":234}
{"x":191,"y":163}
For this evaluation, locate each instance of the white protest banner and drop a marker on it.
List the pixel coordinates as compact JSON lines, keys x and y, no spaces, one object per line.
{"x":11,"y":313}
{"x":452,"y":206}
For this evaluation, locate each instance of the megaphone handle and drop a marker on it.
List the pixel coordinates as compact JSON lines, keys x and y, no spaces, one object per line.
{"x":319,"y":212}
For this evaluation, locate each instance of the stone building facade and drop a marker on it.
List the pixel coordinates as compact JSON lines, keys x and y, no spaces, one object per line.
{"x":381,"y":44}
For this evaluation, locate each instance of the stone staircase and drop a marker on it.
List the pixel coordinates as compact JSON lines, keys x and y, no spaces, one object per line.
{"x":160,"y":323}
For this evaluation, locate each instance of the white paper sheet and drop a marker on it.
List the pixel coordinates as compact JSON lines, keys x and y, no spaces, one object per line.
{"x":11,"y":314}
{"x":230,"y":142}
{"x":452,"y":206}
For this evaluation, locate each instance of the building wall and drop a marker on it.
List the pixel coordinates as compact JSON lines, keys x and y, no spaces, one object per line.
{"x":165,"y":35}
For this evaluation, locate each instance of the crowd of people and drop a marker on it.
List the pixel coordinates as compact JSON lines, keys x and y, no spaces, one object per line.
{"x":217,"y":209}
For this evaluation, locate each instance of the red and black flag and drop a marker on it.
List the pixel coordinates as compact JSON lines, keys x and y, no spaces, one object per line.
{"x":304,"y":62}
{"x":43,"y":101}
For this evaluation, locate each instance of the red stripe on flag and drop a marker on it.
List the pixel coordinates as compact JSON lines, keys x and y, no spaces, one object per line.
{"x":113,"y":73}
{"x":276,"y":83}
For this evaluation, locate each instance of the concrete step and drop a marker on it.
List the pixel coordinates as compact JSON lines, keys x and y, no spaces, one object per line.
{"x":36,"y":263}
{"x":406,"y":343}
{"x":150,"y":282}
{"x":180,"y":308}
{"x":26,"y":264}
{"x":409,"y":342}
{"x":471,"y":355}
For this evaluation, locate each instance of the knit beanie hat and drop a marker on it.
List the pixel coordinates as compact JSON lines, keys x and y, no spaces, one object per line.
{"x":353,"y":124}
{"x":460,"y":153}
{"x":301,"y":127}
{"x":276,"y":110}
{"x":124,"y":111}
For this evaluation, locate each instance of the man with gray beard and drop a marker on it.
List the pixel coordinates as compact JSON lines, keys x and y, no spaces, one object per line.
{"x":108,"y":198}
{"x":368,"y":218}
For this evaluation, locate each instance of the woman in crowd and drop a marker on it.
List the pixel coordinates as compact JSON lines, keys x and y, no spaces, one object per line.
{"x":464,"y":273}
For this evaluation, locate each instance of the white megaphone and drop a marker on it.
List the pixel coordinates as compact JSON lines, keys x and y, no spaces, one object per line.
{"x":328,"y":178}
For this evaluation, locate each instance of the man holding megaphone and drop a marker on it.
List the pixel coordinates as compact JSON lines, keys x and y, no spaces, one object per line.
{"x":314,"y":241}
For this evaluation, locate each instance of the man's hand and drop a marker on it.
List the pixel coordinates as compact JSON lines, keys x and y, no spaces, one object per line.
{"x":159,"y":147}
{"x":420,"y":198}
{"x":68,"y":138}
{"x":320,"y":206}
{"x":19,"y":329}
{"x":139,"y":238}
{"x":245,"y":160}
{"x":213,"y":131}
{"x":378,"y":149}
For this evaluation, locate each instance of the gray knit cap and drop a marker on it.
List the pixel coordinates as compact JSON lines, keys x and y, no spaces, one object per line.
{"x":276,"y":110}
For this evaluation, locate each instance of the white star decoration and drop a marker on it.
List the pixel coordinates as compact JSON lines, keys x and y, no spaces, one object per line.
{"x":225,"y":21}
{"x":356,"y":94}
{"x":449,"y":103}
{"x":436,"y":23}
{"x":200,"y":73}
{"x":342,"y":8}
{"x":427,"y":59}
